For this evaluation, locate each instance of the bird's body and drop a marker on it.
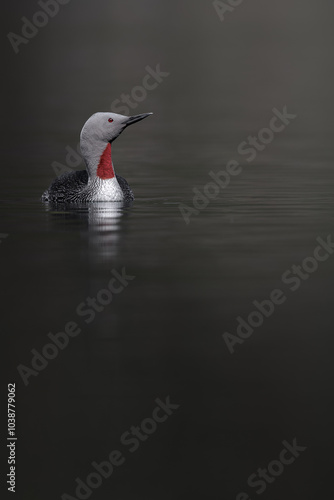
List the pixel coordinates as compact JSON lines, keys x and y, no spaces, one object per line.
{"x":73,"y":188}
{"x":99,"y":182}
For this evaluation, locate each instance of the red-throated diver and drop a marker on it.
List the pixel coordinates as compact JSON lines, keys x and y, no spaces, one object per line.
{"x":99,"y":181}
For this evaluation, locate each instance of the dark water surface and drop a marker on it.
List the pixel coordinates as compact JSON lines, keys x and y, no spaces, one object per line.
{"x":162,"y":335}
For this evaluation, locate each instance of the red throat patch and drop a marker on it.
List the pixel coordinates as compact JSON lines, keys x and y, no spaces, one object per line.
{"x":105,"y":169}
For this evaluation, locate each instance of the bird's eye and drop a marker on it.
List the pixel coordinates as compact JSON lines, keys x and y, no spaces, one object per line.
{"x":110,"y":120}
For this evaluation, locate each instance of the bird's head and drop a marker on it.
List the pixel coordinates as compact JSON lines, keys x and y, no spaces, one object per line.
{"x":99,"y":131}
{"x":106,"y":127}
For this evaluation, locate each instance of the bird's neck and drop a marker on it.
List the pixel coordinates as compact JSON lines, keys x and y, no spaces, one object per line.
{"x":102,"y":182}
{"x":97,"y":155}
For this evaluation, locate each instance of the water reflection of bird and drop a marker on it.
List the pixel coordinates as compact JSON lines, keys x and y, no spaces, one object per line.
{"x":99,"y":181}
{"x":104,"y":229}
{"x":101,"y":223}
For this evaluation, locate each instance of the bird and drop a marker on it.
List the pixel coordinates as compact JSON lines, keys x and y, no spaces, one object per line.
{"x":99,"y":181}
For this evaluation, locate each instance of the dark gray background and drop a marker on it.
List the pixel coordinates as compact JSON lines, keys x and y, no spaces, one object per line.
{"x":163,"y":335}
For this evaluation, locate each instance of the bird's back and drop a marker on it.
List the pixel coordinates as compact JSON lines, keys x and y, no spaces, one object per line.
{"x":67,"y":187}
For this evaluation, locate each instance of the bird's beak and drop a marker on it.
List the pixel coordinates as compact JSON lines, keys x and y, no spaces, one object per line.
{"x":136,"y":118}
